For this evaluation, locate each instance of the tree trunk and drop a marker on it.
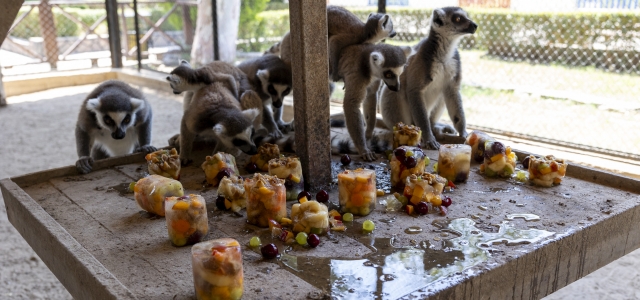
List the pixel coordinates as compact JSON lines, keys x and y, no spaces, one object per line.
{"x":228,"y":19}
{"x":187,"y":25}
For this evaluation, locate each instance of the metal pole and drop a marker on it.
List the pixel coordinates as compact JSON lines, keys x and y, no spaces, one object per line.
{"x":310,"y":90}
{"x":382,"y":6}
{"x":214,"y":18}
{"x":111,"y":6}
{"x":135,"y":21}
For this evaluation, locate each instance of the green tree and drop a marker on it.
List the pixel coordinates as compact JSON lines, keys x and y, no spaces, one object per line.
{"x":252,"y":26}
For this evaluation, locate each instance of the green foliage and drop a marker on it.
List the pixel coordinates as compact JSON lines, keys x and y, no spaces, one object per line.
{"x":253,"y":26}
{"x":30,"y":26}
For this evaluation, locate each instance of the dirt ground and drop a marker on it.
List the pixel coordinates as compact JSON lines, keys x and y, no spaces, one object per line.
{"x":37,"y":133}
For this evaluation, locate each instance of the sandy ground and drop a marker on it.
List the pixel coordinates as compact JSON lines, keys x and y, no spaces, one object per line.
{"x":37,"y":134}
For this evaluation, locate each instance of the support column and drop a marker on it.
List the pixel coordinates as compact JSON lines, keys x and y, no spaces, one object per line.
{"x":3,"y":95}
{"x":48,"y":31}
{"x":382,"y":6}
{"x":111,"y":6}
{"x":311,"y":90}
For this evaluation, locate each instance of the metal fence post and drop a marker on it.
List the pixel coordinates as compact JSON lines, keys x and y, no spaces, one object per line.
{"x":48,"y":30}
{"x":382,"y":6}
{"x":111,"y":6}
{"x":3,"y":95}
{"x":137,"y":28}
{"x":214,"y":19}
{"x":311,"y":89}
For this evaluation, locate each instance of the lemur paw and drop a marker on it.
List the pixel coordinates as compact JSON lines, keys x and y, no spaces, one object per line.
{"x":84,"y":164}
{"x":369,"y":156}
{"x":276,"y":134}
{"x":285,"y":127}
{"x":440,"y":130}
{"x":174,"y":141}
{"x":146,"y":149}
{"x":431,"y":144}
{"x":464,"y":134}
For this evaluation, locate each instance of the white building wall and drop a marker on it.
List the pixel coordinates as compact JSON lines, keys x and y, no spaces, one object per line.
{"x":432,"y":3}
{"x":543,"y":5}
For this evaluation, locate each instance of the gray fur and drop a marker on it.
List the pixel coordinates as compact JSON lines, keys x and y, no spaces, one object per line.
{"x":271,"y":79}
{"x":185,"y":78}
{"x":99,"y":136}
{"x":432,"y":79}
{"x":363,"y":67}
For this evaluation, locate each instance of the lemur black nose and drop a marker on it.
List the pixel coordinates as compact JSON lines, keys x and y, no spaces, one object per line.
{"x":176,"y":92}
{"x":473,"y":27}
{"x":168,"y":78}
{"x":393,"y":34}
{"x":118,"y":134}
{"x":252,"y":151}
{"x":277,"y":104}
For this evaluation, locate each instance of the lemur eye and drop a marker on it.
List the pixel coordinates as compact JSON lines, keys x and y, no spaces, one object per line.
{"x":272,"y":90}
{"x":457,"y":19}
{"x":108,"y":120}
{"x":127,"y":119}
{"x":286,"y":92}
{"x":388,"y":75}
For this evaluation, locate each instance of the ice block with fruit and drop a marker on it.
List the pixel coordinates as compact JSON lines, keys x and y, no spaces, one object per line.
{"x":164,"y":163}
{"x":546,"y":171}
{"x":406,"y":160}
{"x":265,"y":153}
{"x":217,"y":269}
{"x":289,"y":169}
{"x":454,"y":162}
{"x":232,"y":189}
{"x":186,"y":218}
{"x":218,"y":166}
{"x":357,"y":191}
{"x":499,"y":161}
{"x":406,"y":135}
{"x":425,"y":187}
{"x":310,"y":217}
{"x":266,"y":199}
{"x":151,"y":191}
{"x":477,"y":140}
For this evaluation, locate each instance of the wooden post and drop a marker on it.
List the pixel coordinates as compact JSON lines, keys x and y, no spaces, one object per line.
{"x":48,"y":31}
{"x":311,"y":90}
{"x":187,"y":24}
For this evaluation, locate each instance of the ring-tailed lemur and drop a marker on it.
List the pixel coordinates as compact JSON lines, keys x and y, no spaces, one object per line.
{"x":431,"y":81}
{"x":114,"y":120}
{"x":271,"y":78}
{"x":363,"y":67}
{"x":214,"y":109}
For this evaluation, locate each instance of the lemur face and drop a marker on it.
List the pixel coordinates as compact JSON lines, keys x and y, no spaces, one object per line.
{"x":390,"y":71}
{"x":453,"y":21}
{"x":384,"y":27}
{"x":242,"y":139}
{"x":277,"y":91}
{"x":117,"y":121}
{"x":178,"y":85}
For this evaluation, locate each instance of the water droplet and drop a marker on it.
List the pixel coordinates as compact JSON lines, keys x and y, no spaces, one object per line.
{"x":436,"y":238}
{"x":413,"y":230}
{"x":444,"y":234}
{"x":388,"y":221}
{"x":520,"y":205}
{"x":368,"y":264}
{"x":526,"y":217}
{"x":483,"y":207}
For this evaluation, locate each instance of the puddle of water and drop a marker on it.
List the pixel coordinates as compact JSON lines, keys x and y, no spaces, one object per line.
{"x":388,"y":221}
{"x":413,"y":230}
{"x":498,"y":190}
{"x":122,"y":189}
{"x":391,"y":272}
{"x":526,"y":217}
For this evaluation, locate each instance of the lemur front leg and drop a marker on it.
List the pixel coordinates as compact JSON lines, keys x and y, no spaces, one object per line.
{"x":440,"y":130}
{"x":282,"y":125}
{"x":353,"y":98}
{"x":84,"y":164}
{"x":186,"y":100}
{"x":420,"y":117}
{"x":268,"y":121}
{"x":370,"y":104}
{"x":453,"y":100}
{"x":186,"y":143}
{"x":144,"y":137}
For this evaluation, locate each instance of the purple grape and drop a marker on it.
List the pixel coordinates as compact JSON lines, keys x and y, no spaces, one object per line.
{"x":322,"y":196}
{"x":251,"y":167}
{"x":313,"y":240}
{"x":461,"y":177}
{"x":446,"y":201}
{"x":220,"y":203}
{"x":345,"y":159}
{"x":497,"y":148}
{"x":410,"y":162}
{"x":304,"y":194}
{"x":226,"y":172}
{"x":525,"y":162}
{"x":422,"y":208}
{"x":400,"y":153}
{"x":269,"y":251}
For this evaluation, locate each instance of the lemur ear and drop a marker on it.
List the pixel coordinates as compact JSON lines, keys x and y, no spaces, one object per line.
{"x":263,"y":75}
{"x":408,"y":50}
{"x":438,"y":17}
{"x":93,"y":104}
{"x":219,"y":129}
{"x":384,"y":21}
{"x":377,"y":59}
{"x":370,"y":14}
{"x":184,"y":63}
{"x":251,"y":113}
{"x":137,"y":104}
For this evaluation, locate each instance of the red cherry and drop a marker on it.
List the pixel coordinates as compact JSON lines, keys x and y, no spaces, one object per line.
{"x":322,"y":196}
{"x":251,"y":167}
{"x":422,"y":208}
{"x":313,"y":240}
{"x":345,"y":159}
{"x":269,"y":251}
{"x":446,"y":201}
{"x":304,"y":194}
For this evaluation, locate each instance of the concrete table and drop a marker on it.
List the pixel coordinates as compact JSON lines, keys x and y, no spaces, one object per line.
{"x":95,"y":239}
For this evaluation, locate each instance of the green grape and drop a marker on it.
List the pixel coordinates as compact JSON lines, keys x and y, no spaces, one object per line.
{"x":435,"y":167}
{"x":348,"y":217}
{"x":521,"y":176}
{"x":255,"y":242}
{"x":301,"y":238}
{"x":131,"y":186}
{"x":427,"y":160}
{"x":368,"y":226}
{"x":408,"y":153}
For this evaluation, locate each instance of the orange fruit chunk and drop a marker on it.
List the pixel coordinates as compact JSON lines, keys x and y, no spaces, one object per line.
{"x":180,"y":225}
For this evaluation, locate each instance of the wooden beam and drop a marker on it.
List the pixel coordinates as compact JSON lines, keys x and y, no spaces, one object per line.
{"x":310,"y":69}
